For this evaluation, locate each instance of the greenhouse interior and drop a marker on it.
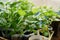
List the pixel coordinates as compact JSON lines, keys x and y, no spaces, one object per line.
{"x":29,"y":19}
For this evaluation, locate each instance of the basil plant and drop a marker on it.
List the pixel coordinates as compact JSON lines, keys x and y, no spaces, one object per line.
{"x":21,"y":16}
{"x":13,"y":16}
{"x":46,"y":16}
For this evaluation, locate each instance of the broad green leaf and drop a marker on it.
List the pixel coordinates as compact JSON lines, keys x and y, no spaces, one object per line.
{"x":21,"y":12}
{"x":35,"y":10}
{"x":46,"y":34}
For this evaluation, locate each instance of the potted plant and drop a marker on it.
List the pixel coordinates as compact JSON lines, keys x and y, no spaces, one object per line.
{"x":21,"y":20}
{"x":46,"y":16}
{"x":49,"y":16}
{"x":13,"y":17}
{"x":30,"y":27}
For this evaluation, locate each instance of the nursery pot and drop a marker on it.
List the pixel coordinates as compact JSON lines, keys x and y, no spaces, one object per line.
{"x":40,"y":37}
{"x":6,"y":34}
{"x":46,"y":38}
{"x":16,"y":37}
{"x":34,"y":37}
{"x":26,"y":35}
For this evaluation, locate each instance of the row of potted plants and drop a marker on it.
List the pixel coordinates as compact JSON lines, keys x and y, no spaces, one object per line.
{"x":22,"y":20}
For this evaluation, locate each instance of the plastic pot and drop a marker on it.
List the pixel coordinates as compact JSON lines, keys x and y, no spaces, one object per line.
{"x":26,"y":35}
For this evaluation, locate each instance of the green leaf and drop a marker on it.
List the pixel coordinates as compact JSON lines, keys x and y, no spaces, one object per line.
{"x":1,"y":3}
{"x":35,"y":10}
{"x":46,"y":34}
{"x":21,"y":12}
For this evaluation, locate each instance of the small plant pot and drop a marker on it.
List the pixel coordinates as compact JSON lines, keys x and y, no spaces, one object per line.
{"x":26,"y":35}
{"x":16,"y":37}
{"x":6,"y":34}
{"x":46,"y":38}
{"x":34,"y":37}
{"x":40,"y":37}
